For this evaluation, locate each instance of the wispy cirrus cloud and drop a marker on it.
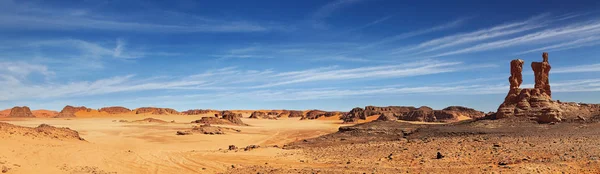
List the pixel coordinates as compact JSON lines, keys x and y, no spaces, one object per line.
{"x":406,"y":35}
{"x":578,"y":30}
{"x":577,"y":69}
{"x":325,"y":11}
{"x":15,"y":15}
{"x":476,"y":36}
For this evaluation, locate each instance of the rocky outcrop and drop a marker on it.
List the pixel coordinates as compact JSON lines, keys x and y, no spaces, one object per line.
{"x":21,"y":112}
{"x":409,"y":113}
{"x":223,"y":113}
{"x":156,"y":111}
{"x":530,"y":102}
{"x":198,"y":112}
{"x":233,"y":118}
{"x":211,"y":120}
{"x":315,"y":114}
{"x":263,"y":115}
{"x":115,"y":110}
{"x":293,"y":114}
{"x":69,"y":111}
{"x":43,"y":131}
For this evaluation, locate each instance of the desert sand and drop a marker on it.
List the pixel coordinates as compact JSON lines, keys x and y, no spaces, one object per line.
{"x":125,"y":147}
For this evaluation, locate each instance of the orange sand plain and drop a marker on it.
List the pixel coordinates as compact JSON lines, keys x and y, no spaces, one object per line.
{"x":155,"y":148}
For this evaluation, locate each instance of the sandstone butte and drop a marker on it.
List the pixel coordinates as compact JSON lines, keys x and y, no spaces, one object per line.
{"x":537,"y":102}
{"x":20,"y":112}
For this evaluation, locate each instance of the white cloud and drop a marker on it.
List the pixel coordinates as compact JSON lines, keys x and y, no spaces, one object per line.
{"x":584,"y":42}
{"x":31,"y":16}
{"x":577,"y":69}
{"x":561,"y":33}
{"x":414,"y":33}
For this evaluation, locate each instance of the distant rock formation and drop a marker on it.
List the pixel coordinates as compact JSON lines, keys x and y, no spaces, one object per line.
{"x":40,"y":132}
{"x":21,"y":112}
{"x":530,"y":102}
{"x":115,"y":110}
{"x":409,"y":113}
{"x":292,"y":114}
{"x":316,"y":114}
{"x":263,"y":115}
{"x":156,"y":111}
{"x":69,"y":111}
{"x":150,"y":120}
{"x":233,"y":118}
{"x":198,"y":112}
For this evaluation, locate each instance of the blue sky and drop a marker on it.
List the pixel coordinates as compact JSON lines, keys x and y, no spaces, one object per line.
{"x":322,"y":54}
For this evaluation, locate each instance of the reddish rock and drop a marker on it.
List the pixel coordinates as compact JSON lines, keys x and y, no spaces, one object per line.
{"x":531,"y":102}
{"x":387,"y":117}
{"x":20,"y":112}
{"x":315,"y":114}
{"x":156,"y":111}
{"x":410,"y":113}
{"x":464,"y":111}
{"x":211,"y":120}
{"x":198,"y":112}
{"x":69,"y":111}
{"x":263,"y":115}
{"x":295,"y":114}
{"x":233,"y":118}
{"x":115,"y":110}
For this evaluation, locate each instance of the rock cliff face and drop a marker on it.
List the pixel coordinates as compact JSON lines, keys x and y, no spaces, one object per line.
{"x":292,"y":114}
{"x":530,"y":102}
{"x":409,"y":113}
{"x":20,"y":112}
{"x":156,"y":111}
{"x":69,"y":111}
{"x":115,"y":110}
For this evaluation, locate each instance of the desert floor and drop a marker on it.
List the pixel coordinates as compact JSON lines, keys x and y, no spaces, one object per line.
{"x":311,"y":146}
{"x":115,"y":147}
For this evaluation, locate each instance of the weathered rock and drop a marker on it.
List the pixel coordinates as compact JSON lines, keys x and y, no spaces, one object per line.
{"x":314,"y":114}
{"x":259,"y":114}
{"x":184,"y":133}
{"x":232,"y":147}
{"x":198,"y":112}
{"x":115,"y":110}
{"x":69,"y":111}
{"x":211,"y":120}
{"x":530,"y":102}
{"x":541,"y":71}
{"x":42,"y":131}
{"x":409,"y":113}
{"x":464,"y":111}
{"x":156,"y":111}
{"x":387,"y":117}
{"x":233,"y":118}
{"x":295,"y":114}
{"x":20,"y":112}
{"x":212,"y":130}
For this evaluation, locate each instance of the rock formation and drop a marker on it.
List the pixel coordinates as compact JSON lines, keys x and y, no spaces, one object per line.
{"x":42,"y":131}
{"x":530,"y":102}
{"x":198,"y":112}
{"x":156,"y":111}
{"x":211,"y":120}
{"x":263,"y":115}
{"x":44,"y":113}
{"x":69,"y":111}
{"x":115,"y":110}
{"x":20,"y":112}
{"x":150,"y":120}
{"x":295,"y":114}
{"x":409,"y":113}
{"x":315,"y":114}
{"x":233,"y":118}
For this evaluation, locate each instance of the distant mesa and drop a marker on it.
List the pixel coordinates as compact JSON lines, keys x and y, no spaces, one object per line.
{"x":409,"y":113}
{"x":292,"y":114}
{"x":156,"y":111}
{"x":115,"y":110}
{"x":537,"y":102}
{"x":44,"y":113}
{"x":21,"y":112}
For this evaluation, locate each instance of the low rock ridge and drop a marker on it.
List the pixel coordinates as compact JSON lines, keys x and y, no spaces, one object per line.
{"x":156,"y":111}
{"x":69,"y":111}
{"x":410,"y":113}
